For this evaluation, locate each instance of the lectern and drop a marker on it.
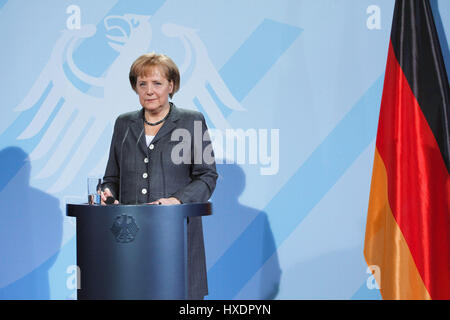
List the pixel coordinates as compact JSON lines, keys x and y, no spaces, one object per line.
{"x":133,"y":251}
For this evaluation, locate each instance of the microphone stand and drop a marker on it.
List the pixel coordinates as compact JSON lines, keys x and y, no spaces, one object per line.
{"x":120,"y":165}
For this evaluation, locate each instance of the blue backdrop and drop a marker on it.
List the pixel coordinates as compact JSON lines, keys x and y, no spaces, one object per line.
{"x":291,"y":90}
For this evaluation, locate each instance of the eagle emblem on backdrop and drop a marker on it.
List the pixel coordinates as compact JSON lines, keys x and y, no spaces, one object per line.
{"x":87,"y":113}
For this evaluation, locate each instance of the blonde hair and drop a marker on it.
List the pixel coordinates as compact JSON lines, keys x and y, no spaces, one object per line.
{"x":142,"y":66}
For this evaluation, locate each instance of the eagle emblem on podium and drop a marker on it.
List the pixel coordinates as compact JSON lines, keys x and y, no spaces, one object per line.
{"x":124,"y":228}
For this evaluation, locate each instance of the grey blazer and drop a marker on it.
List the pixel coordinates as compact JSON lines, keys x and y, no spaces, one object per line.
{"x":136,"y":173}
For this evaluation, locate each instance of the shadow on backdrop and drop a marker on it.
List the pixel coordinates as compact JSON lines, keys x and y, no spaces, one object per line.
{"x":30,"y":230}
{"x":239,"y":243}
{"x":441,"y":33}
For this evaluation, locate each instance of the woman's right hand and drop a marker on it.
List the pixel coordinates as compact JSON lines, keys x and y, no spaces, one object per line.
{"x":105,"y":194}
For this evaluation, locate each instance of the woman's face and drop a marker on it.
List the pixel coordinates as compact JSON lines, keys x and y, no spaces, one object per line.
{"x":154,"y":90}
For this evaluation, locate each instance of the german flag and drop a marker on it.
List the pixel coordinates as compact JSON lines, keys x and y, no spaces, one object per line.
{"x":408,"y":222}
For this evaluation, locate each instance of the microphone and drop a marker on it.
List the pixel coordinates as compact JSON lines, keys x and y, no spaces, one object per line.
{"x":135,"y":162}
{"x":110,"y":200}
{"x":120,"y":167}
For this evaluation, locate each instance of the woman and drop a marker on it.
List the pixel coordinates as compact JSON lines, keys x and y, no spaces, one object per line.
{"x":140,"y":168}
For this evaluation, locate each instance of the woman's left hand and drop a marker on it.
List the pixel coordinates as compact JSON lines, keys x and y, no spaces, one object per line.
{"x":166,"y":201}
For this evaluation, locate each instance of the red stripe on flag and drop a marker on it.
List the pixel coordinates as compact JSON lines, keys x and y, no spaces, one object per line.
{"x":418,"y":180}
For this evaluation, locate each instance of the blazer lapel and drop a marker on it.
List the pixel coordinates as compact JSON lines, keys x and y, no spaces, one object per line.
{"x":137,"y":128}
{"x":168,"y":125}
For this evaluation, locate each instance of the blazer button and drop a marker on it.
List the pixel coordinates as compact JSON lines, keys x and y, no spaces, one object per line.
{"x":151,"y":146}
{"x":145,"y":175}
{"x":144,"y":191}
{"x":146,"y":160}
